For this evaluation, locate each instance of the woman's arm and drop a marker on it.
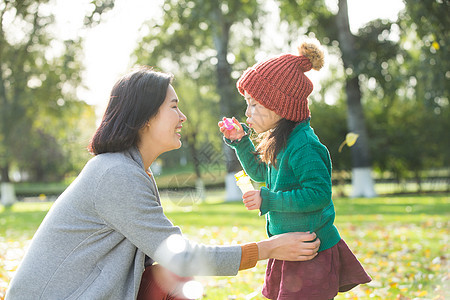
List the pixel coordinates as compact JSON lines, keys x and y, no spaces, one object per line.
{"x":126,"y":200}
{"x":294,"y":246}
{"x":128,"y":205}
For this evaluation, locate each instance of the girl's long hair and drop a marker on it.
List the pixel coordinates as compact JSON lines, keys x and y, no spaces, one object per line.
{"x":273,"y":141}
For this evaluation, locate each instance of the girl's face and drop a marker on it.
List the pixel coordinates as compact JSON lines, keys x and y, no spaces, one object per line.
{"x":163,"y":130}
{"x":259,"y":117}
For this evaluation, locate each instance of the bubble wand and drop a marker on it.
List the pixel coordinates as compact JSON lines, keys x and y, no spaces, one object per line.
{"x":229,"y":124}
{"x":243,"y":182}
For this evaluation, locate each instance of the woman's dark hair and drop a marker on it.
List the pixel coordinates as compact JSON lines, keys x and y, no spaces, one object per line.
{"x":135,"y":98}
{"x":273,"y":141}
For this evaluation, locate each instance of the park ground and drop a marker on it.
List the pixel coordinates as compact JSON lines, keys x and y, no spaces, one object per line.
{"x":402,"y":241}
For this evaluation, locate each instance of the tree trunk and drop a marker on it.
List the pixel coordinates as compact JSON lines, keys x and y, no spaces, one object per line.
{"x":227,"y":93}
{"x":5,"y":173}
{"x":362,"y":182}
{"x":418,"y":180}
{"x":8,"y":194}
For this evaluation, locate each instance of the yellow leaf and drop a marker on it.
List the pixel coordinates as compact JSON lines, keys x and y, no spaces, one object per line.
{"x":422,"y":293}
{"x":351,"y":138}
{"x":435,"y":45}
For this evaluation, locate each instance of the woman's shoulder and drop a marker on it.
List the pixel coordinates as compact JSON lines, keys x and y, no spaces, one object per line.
{"x":106,"y":161}
{"x":116,"y":163}
{"x":110,"y":157}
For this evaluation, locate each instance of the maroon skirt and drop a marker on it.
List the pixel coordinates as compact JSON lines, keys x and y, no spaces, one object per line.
{"x":331,"y":271}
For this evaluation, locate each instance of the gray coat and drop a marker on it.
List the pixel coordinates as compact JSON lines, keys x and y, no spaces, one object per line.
{"x":93,"y":242}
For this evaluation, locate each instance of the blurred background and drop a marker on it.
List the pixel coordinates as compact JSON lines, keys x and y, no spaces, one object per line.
{"x":386,"y":79}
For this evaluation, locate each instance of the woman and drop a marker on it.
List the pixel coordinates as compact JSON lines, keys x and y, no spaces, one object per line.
{"x":109,"y":223}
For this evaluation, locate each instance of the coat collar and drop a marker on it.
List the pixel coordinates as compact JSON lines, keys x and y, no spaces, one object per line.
{"x":300,"y":127}
{"x":136,"y":156}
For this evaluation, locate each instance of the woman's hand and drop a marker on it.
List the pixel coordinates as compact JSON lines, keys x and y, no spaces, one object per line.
{"x":252,"y":200}
{"x":158,"y":282}
{"x":232,"y":134}
{"x":292,"y":246}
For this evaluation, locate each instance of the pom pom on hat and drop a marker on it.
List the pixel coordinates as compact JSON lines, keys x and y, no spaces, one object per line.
{"x":313,"y":53}
{"x":280,"y":84}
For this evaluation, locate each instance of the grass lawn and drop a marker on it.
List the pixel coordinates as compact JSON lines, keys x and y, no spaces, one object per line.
{"x":403,"y":242}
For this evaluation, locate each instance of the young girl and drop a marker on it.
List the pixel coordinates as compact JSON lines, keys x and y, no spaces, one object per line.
{"x":296,"y":168}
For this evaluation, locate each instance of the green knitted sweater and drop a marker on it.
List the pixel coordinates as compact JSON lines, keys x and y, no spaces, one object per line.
{"x":297,"y":195}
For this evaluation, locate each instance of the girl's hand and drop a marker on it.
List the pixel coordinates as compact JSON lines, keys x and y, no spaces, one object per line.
{"x":232,"y":134}
{"x":252,"y":200}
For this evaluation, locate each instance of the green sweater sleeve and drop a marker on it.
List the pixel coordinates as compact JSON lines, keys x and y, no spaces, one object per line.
{"x":249,"y":159}
{"x":313,"y":184}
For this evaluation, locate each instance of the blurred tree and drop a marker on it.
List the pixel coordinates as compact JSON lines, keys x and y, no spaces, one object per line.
{"x":37,"y":83}
{"x":403,"y":74}
{"x":202,"y":104}
{"x":200,"y":38}
{"x":362,"y":183}
{"x":410,"y":127}
{"x":404,"y":143}
{"x":329,"y":123}
{"x":362,"y":54}
{"x":426,"y":38}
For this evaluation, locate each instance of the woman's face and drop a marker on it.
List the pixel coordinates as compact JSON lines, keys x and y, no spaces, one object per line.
{"x":259,"y":117}
{"x":164,"y":129}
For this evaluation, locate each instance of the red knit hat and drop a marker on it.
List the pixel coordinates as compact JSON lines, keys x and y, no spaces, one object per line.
{"x":280,"y":83}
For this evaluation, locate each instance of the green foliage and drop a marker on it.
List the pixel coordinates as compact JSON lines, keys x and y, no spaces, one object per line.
{"x":98,"y":8}
{"x":41,"y":190}
{"x":408,"y":137}
{"x":402,"y":69}
{"x":377,"y":58}
{"x":206,"y":41}
{"x":425,"y":36}
{"x":202,"y":104}
{"x":330,"y":125}
{"x":185,"y":34}
{"x":305,"y":17}
{"x":40,"y":121}
{"x":408,"y":109}
{"x":206,"y":44}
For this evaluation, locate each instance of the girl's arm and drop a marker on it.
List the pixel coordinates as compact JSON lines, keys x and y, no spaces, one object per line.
{"x":239,"y":140}
{"x":250,"y":160}
{"x":313,"y":179}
